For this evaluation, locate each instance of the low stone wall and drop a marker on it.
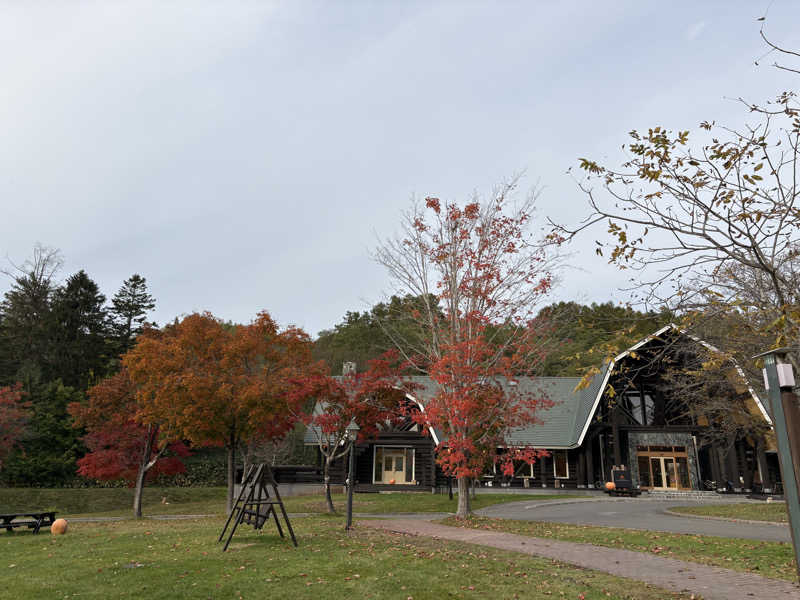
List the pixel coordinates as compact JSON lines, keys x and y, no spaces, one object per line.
{"x":287,"y":490}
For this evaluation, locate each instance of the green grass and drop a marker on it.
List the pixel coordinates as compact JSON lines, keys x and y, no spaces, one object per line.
{"x":113,"y":502}
{"x":770,"y":559}
{"x":181,"y":559}
{"x":774,"y":512}
{"x":400,"y":502}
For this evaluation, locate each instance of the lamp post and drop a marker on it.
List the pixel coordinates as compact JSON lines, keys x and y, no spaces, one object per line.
{"x":352,"y":434}
{"x":779,"y":381}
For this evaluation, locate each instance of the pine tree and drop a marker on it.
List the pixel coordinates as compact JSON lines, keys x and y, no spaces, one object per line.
{"x":79,"y":328}
{"x":129,"y":308}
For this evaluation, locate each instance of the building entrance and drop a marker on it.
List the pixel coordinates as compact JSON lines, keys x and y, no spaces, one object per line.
{"x":663,"y":467}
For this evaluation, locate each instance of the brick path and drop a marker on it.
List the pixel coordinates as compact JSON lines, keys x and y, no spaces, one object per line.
{"x":676,"y":575}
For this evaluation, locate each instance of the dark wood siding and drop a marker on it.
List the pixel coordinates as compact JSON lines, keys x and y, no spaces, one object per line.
{"x":423,"y":461}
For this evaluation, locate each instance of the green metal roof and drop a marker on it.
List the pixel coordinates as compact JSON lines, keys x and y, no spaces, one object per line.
{"x":561,"y":424}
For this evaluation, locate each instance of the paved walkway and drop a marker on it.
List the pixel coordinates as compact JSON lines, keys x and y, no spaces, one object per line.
{"x":667,"y":573}
{"x":632,"y":514}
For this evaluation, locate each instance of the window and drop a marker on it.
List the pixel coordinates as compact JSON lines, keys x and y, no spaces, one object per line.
{"x":560,"y":464}
{"x":641,"y":408}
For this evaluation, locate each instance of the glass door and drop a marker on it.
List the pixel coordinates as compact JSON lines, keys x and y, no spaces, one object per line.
{"x":394,"y":470}
{"x":657,"y":471}
{"x":664,"y":472}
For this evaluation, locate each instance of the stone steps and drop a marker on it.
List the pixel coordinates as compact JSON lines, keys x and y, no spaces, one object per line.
{"x":692,"y":495}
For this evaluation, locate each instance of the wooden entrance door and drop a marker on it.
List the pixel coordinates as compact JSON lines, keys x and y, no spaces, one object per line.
{"x":394,"y":465}
{"x":663,"y":468}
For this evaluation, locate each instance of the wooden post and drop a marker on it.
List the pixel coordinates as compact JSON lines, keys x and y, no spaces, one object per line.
{"x":589,"y":462}
{"x":617,"y":445}
{"x":581,"y":479}
{"x":716,"y":473}
{"x":617,"y":441}
{"x":732,"y":466}
{"x":761,"y":456}
{"x":543,"y":474}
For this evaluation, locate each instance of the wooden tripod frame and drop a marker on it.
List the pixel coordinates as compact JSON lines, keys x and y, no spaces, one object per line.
{"x":254,"y":505}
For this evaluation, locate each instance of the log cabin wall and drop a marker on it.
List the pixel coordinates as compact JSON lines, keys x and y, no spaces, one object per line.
{"x":424,"y":465}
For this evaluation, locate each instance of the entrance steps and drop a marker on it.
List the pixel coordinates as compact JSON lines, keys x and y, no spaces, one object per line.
{"x":698,"y":495}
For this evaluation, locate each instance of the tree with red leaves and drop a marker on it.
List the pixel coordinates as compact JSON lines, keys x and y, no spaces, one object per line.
{"x":481,"y":275}
{"x":369,"y":399}
{"x":220,"y":384}
{"x":120,"y":447}
{"x":14,"y":416}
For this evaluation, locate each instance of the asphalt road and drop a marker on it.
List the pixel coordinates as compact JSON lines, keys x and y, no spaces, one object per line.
{"x":633,"y":514}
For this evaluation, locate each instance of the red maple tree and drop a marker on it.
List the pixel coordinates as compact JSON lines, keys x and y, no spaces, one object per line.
{"x":369,"y":399}
{"x":219,"y":384}
{"x":14,"y":416}
{"x":480,"y":274}
{"x":121,"y":447}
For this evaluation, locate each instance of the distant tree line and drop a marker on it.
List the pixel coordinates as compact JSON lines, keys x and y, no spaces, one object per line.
{"x":579,"y":336}
{"x":57,"y":338}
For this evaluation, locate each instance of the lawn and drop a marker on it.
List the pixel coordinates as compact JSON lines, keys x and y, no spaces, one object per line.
{"x":770,"y":559}
{"x":109,"y":502}
{"x":774,"y":511}
{"x":181,"y":559}
{"x":115,"y":501}
{"x":399,"y":502}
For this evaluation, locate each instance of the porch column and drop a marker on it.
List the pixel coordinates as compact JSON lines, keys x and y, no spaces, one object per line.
{"x":761,"y":457}
{"x":543,"y":473}
{"x":432,"y":470}
{"x":713,"y":458}
{"x":617,"y":444}
{"x":722,"y":469}
{"x":732,"y":465}
{"x":581,"y":469}
{"x":747,"y":465}
{"x":589,"y":453}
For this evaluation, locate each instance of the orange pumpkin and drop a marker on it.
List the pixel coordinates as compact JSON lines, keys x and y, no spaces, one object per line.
{"x":391,"y":482}
{"x":59,"y":527}
{"x":610,"y":485}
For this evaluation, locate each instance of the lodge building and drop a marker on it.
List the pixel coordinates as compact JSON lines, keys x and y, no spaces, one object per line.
{"x":623,"y":416}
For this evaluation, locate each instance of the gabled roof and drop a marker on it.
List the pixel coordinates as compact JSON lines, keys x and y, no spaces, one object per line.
{"x":653,"y":336}
{"x":565,"y":423}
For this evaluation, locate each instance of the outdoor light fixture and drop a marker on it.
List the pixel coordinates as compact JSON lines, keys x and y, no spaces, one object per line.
{"x":779,"y":381}
{"x":352,"y":434}
{"x":784,"y":369}
{"x":352,"y":431}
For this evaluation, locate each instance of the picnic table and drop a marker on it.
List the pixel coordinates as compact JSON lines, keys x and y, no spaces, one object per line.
{"x":32,"y":520}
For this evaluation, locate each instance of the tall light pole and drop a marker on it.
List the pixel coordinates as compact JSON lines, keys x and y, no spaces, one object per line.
{"x":779,"y":381}
{"x":352,"y":434}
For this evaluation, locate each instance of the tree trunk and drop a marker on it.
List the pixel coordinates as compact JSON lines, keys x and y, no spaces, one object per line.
{"x":464,"y":504}
{"x":327,"y":480}
{"x":144,"y":466}
{"x":231,"y":473}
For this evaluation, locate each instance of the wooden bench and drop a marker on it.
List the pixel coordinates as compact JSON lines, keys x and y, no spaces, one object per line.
{"x":31,"y":520}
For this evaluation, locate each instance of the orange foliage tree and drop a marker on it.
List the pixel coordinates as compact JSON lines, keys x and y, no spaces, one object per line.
{"x":119,"y":446}
{"x":220,"y":384}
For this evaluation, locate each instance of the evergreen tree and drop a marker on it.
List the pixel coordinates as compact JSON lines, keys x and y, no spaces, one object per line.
{"x":25,"y":338}
{"x":80,"y":330}
{"x":129,"y":308}
{"x":52,"y":445}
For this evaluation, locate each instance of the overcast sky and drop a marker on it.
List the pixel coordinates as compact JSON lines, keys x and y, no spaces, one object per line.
{"x":244,"y":155}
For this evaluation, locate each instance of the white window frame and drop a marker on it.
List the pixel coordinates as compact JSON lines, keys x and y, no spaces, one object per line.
{"x":566,"y":463}
{"x":413,"y":461}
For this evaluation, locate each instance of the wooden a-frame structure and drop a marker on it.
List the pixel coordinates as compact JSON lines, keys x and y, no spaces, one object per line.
{"x":254,"y":505}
